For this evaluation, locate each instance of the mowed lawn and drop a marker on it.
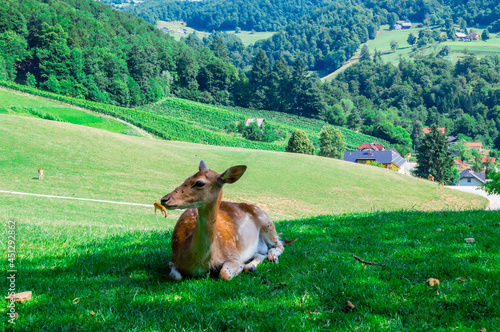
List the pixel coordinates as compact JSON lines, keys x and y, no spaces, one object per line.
{"x":18,"y":103}
{"x":103,"y":267}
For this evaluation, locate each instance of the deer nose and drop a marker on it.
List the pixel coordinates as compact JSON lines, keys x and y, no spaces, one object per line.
{"x":165,"y":199}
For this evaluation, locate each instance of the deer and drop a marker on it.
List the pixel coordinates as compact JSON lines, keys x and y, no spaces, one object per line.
{"x":160,"y":207}
{"x":214,"y":236}
{"x":40,"y":174}
{"x":431,"y":177}
{"x":441,"y":184}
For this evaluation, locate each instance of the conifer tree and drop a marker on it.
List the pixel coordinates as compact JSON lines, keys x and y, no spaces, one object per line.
{"x":300,"y":143}
{"x":434,"y":158}
{"x":259,"y":80}
{"x":365,"y":54}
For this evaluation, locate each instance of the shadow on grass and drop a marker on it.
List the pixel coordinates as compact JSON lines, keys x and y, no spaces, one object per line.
{"x":121,"y":282}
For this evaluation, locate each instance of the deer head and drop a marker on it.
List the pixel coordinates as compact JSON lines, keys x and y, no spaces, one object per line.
{"x":203,"y":189}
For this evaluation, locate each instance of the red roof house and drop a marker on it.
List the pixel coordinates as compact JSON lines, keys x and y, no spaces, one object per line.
{"x":428,"y":130}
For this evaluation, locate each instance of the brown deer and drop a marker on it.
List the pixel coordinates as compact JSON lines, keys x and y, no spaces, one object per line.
{"x":441,"y":184}
{"x":431,"y":177}
{"x":40,"y":174}
{"x":217,"y":236}
{"x":160,"y":207}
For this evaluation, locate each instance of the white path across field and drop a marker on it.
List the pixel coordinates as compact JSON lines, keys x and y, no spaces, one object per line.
{"x":494,"y":199}
{"x":74,"y":198}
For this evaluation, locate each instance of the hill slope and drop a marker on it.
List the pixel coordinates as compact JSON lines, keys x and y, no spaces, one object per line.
{"x":101,"y":165}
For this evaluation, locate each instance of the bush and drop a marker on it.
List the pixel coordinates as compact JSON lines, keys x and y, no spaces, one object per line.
{"x":300,"y":143}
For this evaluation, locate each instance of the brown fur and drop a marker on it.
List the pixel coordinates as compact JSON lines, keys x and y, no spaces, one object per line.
{"x":160,"y":207}
{"x":40,"y":174}
{"x":213,"y":235}
{"x":431,"y":177}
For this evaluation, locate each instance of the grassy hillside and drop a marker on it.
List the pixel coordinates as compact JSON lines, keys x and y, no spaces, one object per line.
{"x":98,"y":266}
{"x":217,"y":118}
{"x":17,"y":103}
{"x":102,"y":165}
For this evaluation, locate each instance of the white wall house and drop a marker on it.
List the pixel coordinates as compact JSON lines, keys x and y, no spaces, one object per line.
{"x":470,"y":178}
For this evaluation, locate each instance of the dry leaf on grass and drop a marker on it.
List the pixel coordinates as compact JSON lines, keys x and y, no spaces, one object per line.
{"x":461,"y":279}
{"x":20,"y":297}
{"x":469,"y":240}
{"x":349,"y":305}
{"x":432,"y":282}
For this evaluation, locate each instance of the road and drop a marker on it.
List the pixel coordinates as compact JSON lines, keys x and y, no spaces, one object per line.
{"x":494,"y":199}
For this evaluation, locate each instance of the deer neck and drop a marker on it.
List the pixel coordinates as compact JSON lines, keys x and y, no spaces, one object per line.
{"x":206,"y":232}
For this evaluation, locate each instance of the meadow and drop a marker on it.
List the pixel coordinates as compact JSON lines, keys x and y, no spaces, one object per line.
{"x":96,"y":266}
{"x":247,"y":37}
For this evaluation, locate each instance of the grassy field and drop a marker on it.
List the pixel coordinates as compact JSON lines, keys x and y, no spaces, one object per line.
{"x":96,"y":266}
{"x":12,"y":102}
{"x":247,"y":37}
{"x":384,"y":37}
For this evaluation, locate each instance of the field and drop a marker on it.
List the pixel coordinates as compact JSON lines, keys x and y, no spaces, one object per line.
{"x":20,"y":103}
{"x":216,"y":118}
{"x":95,"y":266}
{"x":383,"y":43}
{"x":247,"y":37}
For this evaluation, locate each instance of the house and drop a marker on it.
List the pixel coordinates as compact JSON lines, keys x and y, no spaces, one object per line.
{"x":470,"y":178}
{"x":475,"y":145}
{"x":461,"y":36}
{"x":452,"y":140}
{"x":485,"y":160}
{"x":397,"y":26}
{"x":259,"y":121}
{"x":406,"y":25}
{"x":472,"y":36}
{"x":373,"y":146}
{"x":167,"y":30}
{"x":389,"y":159}
{"x":460,"y":165}
{"x":428,"y":130}
{"x":395,"y":151}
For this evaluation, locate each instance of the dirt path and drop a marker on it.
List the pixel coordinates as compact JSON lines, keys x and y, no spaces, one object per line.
{"x":494,"y":199}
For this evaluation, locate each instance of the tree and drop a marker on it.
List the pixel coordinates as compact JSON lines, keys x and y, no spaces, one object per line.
{"x":394,"y":45}
{"x":365,"y":54}
{"x":411,"y":39}
{"x":332,"y":142}
{"x":300,"y":143}
{"x":434,"y":157}
{"x":259,"y":80}
{"x":485,"y":35}
{"x":492,"y":187}
{"x":30,"y":80}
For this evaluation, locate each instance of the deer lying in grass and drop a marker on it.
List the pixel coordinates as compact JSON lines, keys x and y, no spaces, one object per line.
{"x":217,"y":236}
{"x":160,"y":207}
{"x":431,"y":177}
{"x":40,"y":174}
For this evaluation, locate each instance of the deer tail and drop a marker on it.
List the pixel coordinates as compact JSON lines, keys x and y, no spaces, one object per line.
{"x":285,"y":242}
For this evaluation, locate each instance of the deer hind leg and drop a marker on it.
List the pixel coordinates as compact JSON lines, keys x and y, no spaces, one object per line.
{"x":174,"y":273}
{"x":230,"y":269}
{"x":271,"y":238}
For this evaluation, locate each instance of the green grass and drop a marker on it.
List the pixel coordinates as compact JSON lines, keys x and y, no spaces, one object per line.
{"x":13,"y":102}
{"x":247,"y":37}
{"x":216,"y":118}
{"x":99,"y":267}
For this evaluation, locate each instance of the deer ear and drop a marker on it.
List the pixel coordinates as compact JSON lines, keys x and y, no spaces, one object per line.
{"x":233,"y":174}
{"x":203,"y":167}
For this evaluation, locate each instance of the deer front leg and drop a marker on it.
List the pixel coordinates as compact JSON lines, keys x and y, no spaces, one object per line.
{"x":230,"y":269}
{"x":252,"y":266}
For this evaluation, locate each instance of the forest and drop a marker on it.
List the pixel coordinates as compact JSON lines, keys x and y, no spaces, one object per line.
{"x":86,"y":49}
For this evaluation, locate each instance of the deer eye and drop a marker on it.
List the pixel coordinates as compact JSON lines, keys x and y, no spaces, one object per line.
{"x":199,"y":184}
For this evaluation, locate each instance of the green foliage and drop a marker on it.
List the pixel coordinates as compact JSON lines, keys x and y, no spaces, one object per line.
{"x":30,"y":80}
{"x":434,"y":158}
{"x":411,"y":39}
{"x":332,"y":143}
{"x":365,"y":54}
{"x":300,"y":143}
{"x":492,"y":187}
{"x":485,"y":35}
